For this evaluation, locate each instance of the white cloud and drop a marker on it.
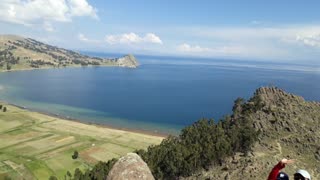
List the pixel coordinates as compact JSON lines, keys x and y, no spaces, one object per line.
{"x":253,"y":33}
{"x":34,"y":12}
{"x":48,"y":27}
{"x":150,"y":37}
{"x":188,"y":48}
{"x":218,"y":50}
{"x":311,"y":40}
{"x":285,"y":42}
{"x":82,"y":37}
{"x":133,"y":38}
{"x":82,"y":8}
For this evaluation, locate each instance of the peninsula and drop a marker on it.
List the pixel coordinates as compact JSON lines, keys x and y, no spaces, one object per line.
{"x":19,"y":53}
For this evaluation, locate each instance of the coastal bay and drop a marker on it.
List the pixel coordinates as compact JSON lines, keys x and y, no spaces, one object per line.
{"x":163,"y":95}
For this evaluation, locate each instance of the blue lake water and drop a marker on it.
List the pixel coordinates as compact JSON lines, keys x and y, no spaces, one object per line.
{"x":164,"y":94}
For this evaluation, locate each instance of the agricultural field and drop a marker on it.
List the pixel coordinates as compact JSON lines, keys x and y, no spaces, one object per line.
{"x":36,"y":146}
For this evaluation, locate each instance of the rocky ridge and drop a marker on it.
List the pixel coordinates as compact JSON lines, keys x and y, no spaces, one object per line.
{"x":289,"y":128}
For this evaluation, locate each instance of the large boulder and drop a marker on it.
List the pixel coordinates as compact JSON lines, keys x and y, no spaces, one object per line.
{"x":130,"y":167}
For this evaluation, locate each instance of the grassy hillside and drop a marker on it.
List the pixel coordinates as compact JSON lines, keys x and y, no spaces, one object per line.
{"x":36,"y":146}
{"x":18,"y":53}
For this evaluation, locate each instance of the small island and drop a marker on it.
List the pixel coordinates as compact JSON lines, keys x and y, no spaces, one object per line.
{"x":19,"y":53}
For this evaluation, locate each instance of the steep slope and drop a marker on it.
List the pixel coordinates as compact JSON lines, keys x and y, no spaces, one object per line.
{"x":289,"y":128}
{"x":17,"y":53}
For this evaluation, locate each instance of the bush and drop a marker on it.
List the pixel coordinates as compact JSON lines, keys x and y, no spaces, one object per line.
{"x":8,"y":66}
{"x":99,"y":172}
{"x":75,"y":155}
{"x":53,"y":178}
{"x":4,"y":109}
{"x":199,"y":146}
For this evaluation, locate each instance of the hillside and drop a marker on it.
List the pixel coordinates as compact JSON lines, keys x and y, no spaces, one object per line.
{"x":18,"y":53}
{"x":289,"y":128}
{"x":269,"y":126}
{"x":36,"y":146}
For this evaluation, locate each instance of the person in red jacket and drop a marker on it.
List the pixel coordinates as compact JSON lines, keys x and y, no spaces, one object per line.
{"x":299,"y":175}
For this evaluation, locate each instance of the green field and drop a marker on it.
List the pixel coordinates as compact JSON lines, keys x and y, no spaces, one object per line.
{"x":36,"y":146}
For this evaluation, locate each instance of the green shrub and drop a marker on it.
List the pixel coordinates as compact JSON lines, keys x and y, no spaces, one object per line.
{"x":75,"y":155}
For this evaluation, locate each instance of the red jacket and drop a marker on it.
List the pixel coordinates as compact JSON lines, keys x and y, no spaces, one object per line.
{"x":275,"y":171}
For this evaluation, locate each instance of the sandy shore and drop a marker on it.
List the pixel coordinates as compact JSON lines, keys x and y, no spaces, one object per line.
{"x":71,"y":66}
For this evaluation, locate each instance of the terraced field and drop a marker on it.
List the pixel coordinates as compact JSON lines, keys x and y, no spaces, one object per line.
{"x":36,"y":146}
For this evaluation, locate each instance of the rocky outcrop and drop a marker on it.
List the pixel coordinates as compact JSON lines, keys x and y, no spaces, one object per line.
{"x":289,"y":128}
{"x":128,"y":61}
{"x":130,"y":167}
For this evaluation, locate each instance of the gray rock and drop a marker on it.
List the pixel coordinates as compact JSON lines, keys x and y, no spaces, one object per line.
{"x":130,"y":167}
{"x":128,"y":61}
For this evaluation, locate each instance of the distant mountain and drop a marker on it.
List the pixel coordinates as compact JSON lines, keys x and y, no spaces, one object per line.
{"x":19,"y":53}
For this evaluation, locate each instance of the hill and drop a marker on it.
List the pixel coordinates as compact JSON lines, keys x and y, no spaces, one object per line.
{"x":19,"y":53}
{"x":289,"y":128}
{"x":271,"y":125}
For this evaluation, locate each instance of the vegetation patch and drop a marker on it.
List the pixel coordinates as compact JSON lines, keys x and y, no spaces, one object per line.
{"x":37,"y":146}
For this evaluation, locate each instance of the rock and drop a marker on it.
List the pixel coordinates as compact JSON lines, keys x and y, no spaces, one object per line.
{"x":227,"y":177}
{"x":130,"y":167}
{"x":317,"y":155}
{"x":128,"y":61}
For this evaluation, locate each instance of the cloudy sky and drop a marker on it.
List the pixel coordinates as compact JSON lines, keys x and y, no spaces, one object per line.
{"x":286,"y":30}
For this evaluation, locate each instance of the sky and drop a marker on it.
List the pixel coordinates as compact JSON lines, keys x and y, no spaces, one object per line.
{"x":273,"y":30}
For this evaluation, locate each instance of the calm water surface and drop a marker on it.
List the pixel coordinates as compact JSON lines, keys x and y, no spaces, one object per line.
{"x":164,"y":94}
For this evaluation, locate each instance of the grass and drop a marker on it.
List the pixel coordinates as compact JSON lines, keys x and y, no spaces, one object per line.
{"x":34,"y":55}
{"x":36,"y":146}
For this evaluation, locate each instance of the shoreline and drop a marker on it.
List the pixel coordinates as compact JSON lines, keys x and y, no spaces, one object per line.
{"x":67,"y":118}
{"x":74,"y":66}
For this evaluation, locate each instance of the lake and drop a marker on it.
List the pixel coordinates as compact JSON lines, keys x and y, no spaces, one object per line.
{"x":163,"y":95}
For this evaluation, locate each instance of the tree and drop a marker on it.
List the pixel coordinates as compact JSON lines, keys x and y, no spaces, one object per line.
{"x":75,"y":155}
{"x":77,"y":174}
{"x":237,"y":107}
{"x":69,"y":174}
{"x":1,"y":106}
{"x":8,"y":66}
{"x":4,"y":109}
{"x":53,"y":178}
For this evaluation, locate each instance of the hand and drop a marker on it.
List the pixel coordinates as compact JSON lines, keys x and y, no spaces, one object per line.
{"x":287,"y":161}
